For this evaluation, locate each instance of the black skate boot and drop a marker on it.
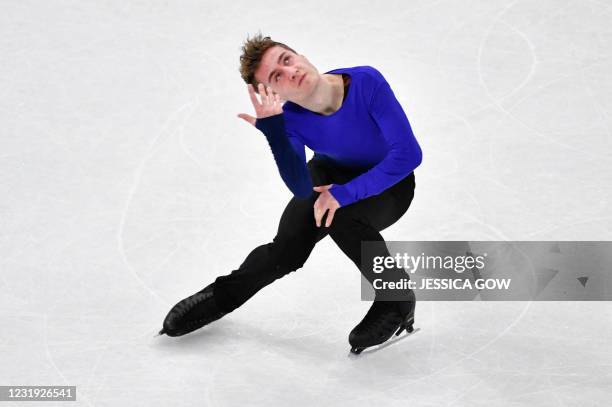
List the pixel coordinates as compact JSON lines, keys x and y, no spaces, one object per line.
{"x":192,"y":313}
{"x":382,"y":320}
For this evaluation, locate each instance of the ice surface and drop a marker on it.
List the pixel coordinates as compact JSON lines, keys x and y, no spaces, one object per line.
{"x":127,"y":183}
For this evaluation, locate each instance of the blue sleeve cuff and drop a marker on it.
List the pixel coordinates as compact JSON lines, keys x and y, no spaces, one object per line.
{"x":271,"y":124}
{"x":342,"y":195}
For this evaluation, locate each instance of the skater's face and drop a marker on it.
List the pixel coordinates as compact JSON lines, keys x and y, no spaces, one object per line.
{"x":290,"y":75}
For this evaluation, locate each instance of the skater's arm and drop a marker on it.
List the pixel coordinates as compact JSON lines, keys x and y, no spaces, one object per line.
{"x":291,"y":161}
{"x":289,"y":155}
{"x":402,"y":158}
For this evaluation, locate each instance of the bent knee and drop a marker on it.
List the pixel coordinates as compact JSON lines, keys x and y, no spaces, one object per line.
{"x":292,"y":251}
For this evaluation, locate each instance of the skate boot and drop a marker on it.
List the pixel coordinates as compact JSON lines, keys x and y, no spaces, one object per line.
{"x":192,"y":313}
{"x":382,"y":320}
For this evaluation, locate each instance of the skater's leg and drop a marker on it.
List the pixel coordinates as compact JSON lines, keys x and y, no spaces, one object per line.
{"x":365,"y":219}
{"x":296,"y":237}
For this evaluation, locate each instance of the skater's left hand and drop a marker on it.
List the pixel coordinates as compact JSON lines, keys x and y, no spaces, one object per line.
{"x":325,"y":202}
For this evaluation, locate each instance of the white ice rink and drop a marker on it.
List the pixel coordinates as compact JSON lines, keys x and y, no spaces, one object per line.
{"x":127,"y":183}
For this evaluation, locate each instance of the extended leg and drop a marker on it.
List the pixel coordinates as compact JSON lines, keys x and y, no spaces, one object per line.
{"x":296,"y":237}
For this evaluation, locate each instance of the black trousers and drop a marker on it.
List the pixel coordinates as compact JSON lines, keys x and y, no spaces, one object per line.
{"x":298,"y":234}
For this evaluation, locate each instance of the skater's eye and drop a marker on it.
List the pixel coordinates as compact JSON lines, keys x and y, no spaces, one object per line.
{"x":278,"y":74}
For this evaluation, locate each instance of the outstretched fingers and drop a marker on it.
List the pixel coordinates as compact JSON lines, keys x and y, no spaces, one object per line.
{"x":253,"y":96}
{"x":263,"y":94}
{"x":268,"y":103}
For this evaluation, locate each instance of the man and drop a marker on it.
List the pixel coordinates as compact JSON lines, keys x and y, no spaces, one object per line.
{"x":359,"y":182}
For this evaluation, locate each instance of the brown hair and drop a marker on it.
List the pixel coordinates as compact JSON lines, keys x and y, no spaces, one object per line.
{"x":253,"y":50}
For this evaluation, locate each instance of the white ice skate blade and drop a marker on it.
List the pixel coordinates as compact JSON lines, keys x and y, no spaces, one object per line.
{"x":389,"y":342}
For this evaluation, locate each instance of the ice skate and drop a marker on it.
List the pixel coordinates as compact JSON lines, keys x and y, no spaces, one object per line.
{"x":383,"y":319}
{"x":192,"y":313}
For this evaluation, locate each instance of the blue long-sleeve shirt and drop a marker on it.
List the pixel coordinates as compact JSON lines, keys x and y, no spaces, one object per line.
{"x":370,"y":130}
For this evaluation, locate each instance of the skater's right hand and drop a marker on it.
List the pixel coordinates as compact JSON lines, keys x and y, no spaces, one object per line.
{"x":270,"y":104}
